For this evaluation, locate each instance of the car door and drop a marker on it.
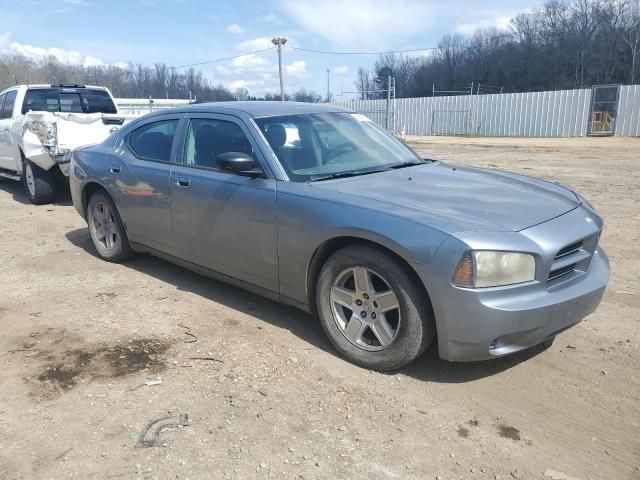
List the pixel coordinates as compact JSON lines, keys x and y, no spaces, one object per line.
{"x":140,"y":175}
{"x":221,"y":220}
{"x":7,"y":148}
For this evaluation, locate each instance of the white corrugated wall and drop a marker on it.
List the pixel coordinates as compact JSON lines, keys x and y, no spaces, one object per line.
{"x":562,"y":113}
{"x":628,"y":118}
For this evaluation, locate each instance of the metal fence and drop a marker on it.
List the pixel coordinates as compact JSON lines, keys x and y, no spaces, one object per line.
{"x":628,"y":121}
{"x":141,"y":106}
{"x":563,"y":113}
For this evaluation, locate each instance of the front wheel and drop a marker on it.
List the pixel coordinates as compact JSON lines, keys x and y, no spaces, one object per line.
{"x":373,"y":311}
{"x":38,"y":183}
{"x":106,"y":228}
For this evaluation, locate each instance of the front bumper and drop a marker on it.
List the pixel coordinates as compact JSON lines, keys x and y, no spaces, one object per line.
{"x":487,"y":325}
{"x":76,"y":176}
{"x":63,"y":160}
{"x":64,"y":168}
{"x":480,"y":324}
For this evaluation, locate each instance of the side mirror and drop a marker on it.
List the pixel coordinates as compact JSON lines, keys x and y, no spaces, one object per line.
{"x":238,"y":162}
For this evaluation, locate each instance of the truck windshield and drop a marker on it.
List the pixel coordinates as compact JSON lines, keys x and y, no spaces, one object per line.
{"x":322,"y":146}
{"x":74,"y":100}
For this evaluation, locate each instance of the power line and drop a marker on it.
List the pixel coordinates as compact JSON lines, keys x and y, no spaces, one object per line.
{"x":411,"y":50}
{"x":329,"y":52}
{"x":332,"y":52}
{"x":221,"y":59}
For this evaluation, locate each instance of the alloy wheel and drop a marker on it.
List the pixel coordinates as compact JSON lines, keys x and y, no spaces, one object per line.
{"x":103,"y":226}
{"x":30,"y":179}
{"x":365,"y":308}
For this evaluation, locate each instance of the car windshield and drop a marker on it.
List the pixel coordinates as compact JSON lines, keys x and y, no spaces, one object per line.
{"x":318,"y":146}
{"x":74,"y":100}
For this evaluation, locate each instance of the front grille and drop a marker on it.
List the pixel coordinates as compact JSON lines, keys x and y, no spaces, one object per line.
{"x":572,"y":260}
{"x":568,"y":250}
{"x":560,"y":272}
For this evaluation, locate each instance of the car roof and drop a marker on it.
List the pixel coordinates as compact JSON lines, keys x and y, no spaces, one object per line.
{"x":257,"y":109}
{"x":39,"y":86}
{"x":62,"y":85}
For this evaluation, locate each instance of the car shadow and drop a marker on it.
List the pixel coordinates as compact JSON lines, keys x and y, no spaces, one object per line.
{"x":296,"y":321}
{"x":429,"y":367}
{"x":16,"y":189}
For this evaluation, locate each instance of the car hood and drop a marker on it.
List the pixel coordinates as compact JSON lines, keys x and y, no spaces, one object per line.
{"x":456,"y":199}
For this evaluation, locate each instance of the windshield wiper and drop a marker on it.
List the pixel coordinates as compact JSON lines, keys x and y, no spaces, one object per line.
{"x":331,"y":176}
{"x":410,"y":163}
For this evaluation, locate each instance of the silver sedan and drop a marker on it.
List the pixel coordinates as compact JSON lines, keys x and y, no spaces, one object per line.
{"x":317,"y":207}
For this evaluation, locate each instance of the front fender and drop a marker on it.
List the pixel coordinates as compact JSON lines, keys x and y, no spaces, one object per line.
{"x":306,"y":223}
{"x":377,"y":238}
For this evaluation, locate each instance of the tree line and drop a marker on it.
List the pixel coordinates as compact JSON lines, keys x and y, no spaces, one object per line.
{"x":563,"y":45}
{"x":133,"y":81}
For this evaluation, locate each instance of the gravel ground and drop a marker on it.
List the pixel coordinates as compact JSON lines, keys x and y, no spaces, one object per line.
{"x":91,"y":353}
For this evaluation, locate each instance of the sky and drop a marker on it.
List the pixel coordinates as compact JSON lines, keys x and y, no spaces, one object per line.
{"x":179,"y":32}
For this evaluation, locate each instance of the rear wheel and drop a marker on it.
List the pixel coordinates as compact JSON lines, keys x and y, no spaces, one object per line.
{"x":372,"y":309}
{"x":106,"y":228}
{"x":38,"y":183}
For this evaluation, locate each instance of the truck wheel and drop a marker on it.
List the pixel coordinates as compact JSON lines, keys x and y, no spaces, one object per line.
{"x":38,"y":183}
{"x":372,"y":310}
{"x":106,"y":228}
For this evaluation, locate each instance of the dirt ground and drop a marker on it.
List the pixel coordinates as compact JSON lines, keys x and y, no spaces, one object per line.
{"x":265,"y":394}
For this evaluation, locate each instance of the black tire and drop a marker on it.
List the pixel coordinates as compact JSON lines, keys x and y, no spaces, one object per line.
{"x":548,"y":343}
{"x":415,"y":328}
{"x":109,"y":238}
{"x":39,"y":184}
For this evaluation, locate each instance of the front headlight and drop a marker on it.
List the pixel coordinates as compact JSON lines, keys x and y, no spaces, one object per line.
{"x":486,"y":268}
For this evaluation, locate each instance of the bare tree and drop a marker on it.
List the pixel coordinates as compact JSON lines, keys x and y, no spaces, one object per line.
{"x":241,"y":93}
{"x":364,"y":83}
{"x":451,"y":53}
{"x":631,"y":34}
{"x":304,"y":95}
{"x":564,"y":44}
{"x":133,"y":81}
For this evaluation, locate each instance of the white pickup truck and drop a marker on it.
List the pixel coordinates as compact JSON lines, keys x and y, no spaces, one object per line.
{"x":41,"y":125}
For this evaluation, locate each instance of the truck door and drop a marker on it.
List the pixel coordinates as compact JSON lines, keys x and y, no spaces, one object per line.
{"x":8,"y":150}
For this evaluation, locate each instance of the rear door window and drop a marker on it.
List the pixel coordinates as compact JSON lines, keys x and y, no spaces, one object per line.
{"x":153,"y":141}
{"x":9,"y":102}
{"x":2,"y":97}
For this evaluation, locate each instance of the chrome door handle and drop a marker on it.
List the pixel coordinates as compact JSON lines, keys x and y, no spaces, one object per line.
{"x":115,"y":169}
{"x":183,"y":182}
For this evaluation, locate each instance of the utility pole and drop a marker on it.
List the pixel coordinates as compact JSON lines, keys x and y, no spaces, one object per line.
{"x":279,"y":42}
{"x":328,"y":85}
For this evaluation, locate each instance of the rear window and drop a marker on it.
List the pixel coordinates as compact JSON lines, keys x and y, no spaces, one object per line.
{"x":153,"y":141}
{"x":74,"y":100}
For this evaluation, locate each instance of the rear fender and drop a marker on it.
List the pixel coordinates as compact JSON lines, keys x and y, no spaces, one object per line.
{"x":56,"y":134}
{"x":35,"y":148}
